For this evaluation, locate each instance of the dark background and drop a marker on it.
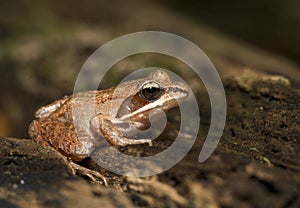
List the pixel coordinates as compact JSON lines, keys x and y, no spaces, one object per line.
{"x":270,"y":24}
{"x":44,"y":43}
{"x":273,"y":25}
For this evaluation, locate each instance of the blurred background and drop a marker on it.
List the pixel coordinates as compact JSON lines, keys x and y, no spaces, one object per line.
{"x":45,"y":43}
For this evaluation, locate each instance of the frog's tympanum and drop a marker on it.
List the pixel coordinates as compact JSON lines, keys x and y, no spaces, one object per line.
{"x":117,"y":110}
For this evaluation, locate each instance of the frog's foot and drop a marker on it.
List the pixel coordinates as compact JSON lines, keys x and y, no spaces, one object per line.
{"x":126,"y":141}
{"x":91,"y":174}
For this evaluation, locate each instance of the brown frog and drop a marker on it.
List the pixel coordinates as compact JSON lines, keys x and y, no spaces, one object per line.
{"x":117,"y":110}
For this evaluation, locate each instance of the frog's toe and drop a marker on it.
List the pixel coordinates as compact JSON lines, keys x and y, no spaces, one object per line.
{"x":150,"y":143}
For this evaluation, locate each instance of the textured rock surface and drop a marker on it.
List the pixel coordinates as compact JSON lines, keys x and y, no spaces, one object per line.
{"x":31,"y":176}
{"x":256,"y":163}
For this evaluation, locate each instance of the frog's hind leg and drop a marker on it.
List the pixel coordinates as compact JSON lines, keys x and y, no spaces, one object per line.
{"x":80,"y":170}
{"x":47,"y":110}
{"x":103,"y":126}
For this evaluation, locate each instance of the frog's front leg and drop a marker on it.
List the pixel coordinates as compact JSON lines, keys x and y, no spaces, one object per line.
{"x":103,"y":125}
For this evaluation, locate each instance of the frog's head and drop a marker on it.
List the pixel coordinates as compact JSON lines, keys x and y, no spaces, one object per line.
{"x":151,"y":94}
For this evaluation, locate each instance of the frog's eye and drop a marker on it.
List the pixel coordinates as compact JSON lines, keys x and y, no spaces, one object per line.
{"x":150,"y":91}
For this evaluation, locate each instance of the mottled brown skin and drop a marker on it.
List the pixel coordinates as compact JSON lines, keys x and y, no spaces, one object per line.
{"x":58,"y":130}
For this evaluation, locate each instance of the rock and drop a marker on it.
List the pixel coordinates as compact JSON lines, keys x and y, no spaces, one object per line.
{"x":256,"y":163}
{"x":32,"y":176}
{"x":248,"y":78}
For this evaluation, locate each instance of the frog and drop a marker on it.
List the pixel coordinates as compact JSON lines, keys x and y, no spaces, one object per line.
{"x":118,"y":109}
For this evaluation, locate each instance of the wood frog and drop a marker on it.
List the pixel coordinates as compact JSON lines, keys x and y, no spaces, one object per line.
{"x":117,"y":109}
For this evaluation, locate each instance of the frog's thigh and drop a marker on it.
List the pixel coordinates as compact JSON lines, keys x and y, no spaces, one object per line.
{"x":103,"y":125}
{"x":45,"y":111}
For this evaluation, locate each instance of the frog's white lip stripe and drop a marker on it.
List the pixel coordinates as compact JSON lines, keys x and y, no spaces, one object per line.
{"x":153,"y":105}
